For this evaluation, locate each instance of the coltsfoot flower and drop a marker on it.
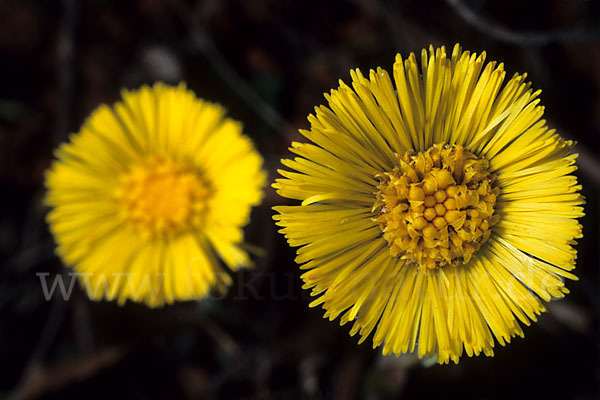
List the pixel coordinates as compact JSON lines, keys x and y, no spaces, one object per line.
{"x":438,"y":209}
{"x":150,"y":193}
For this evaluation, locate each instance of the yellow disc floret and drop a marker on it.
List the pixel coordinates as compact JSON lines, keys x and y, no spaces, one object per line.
{"x":161,"y":197}
{"x":437,"y":207}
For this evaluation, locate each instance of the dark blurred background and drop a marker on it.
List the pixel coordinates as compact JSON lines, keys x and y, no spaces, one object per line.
{"x":268,"y":62}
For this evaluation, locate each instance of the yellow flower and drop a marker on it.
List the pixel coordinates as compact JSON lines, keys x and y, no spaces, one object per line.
{"x":438,"y":209}
{"x":150,"y":193}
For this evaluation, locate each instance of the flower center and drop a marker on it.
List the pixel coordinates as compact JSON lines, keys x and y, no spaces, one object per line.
{"x":161,"y":197}
{"x":437,"y":207}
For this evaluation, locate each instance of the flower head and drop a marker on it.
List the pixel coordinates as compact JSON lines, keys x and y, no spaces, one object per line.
{"x":150,"y":193}
{"x":427,"y":197}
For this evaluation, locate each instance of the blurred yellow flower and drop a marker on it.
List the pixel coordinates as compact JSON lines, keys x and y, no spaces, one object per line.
{"x":151,"y":193}
{"x":437,"y":209}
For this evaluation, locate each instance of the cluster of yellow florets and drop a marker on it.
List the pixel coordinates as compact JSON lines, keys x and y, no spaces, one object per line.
{"x":436,"y":208}
{"x":162,"y":197}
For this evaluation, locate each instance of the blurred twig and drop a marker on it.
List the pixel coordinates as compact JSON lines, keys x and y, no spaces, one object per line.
{"x":46,"y":379}
{"x":589,"y":164}
{"x":205,"y":44}
{"x":571,"y":315}
{"x":65,"y":57}
{"x":212,"y":329}
{"x":47,"y":335}
{"x":65,"y":84}
{"x":29,"y":256}
{"x":503,"y":34}
{"x":82,"y":324}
